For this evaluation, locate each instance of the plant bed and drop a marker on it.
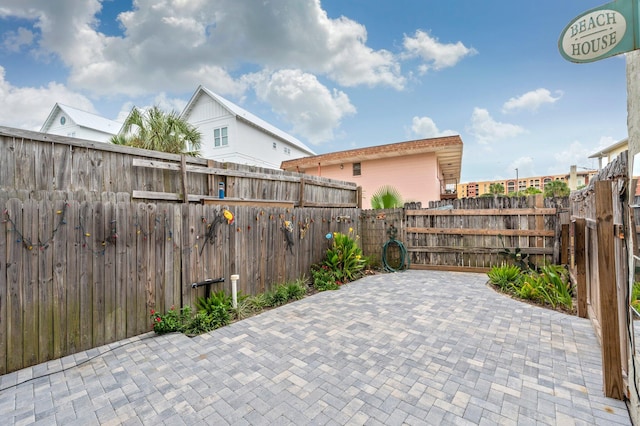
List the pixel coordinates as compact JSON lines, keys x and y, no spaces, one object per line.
{"x":548,"y":286}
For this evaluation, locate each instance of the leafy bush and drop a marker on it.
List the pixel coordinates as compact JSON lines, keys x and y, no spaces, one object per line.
{"x":296,"y":290}
{"x":219,"y":316}
{"x":216,"y":310}
{"x":200,"y":323}
{"x":504,"y":276}
{"x":218,"y":298}
{"x":278,"y":296}
{"x":171,"y":321}
{"x":323,"y":278}
{"x":635,"y":296}
{"x":344,"y":257}
{"x":550,"y":285}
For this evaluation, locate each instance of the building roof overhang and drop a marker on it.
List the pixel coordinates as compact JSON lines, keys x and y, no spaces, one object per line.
{"x":448,"y":151}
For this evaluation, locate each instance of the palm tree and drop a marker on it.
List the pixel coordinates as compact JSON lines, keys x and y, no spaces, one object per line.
{"x":386,"y":197}
{"x":159,"y":131}
{"x":496,"y":189}
{"x":532,"y":190}
{"x":556,"y":188}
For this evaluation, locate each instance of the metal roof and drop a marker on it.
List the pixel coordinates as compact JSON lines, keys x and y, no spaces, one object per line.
{"x":83,"y":119}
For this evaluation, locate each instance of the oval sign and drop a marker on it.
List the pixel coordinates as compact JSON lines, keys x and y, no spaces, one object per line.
{"x":593,"y":35}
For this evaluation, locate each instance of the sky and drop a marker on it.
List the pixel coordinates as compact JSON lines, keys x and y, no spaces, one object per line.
{"x":336,"y":74}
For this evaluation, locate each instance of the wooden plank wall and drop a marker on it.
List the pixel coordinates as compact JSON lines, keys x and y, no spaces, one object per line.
{"x":31,"y":161}
{"x":469,"y":234}
{"x":601,"y":222}
{"x":80,"y":273}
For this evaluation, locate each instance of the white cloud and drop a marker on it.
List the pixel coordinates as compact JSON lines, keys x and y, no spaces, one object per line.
{"x":435,"y":54}
{"x":14,"y":41}
{"x":425,"y":127}
{"x":29,"y":107}
{"x":525,"y":168}
{"x":486,"y":129}
{"x":302,"y":100}
{"x":168,"y":45}
{"x":578,"y":154}
{"x":531,"y":100}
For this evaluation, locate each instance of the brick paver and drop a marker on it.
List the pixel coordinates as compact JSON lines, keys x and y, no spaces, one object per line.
{"x":416,"y":347}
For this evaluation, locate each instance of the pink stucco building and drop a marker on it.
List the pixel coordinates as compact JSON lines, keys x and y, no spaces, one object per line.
{"x":422,"y":170}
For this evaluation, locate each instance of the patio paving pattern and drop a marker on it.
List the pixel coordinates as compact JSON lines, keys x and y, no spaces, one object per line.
{"x":415,"y":348}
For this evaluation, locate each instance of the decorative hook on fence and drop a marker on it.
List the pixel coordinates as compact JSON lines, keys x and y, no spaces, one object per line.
{"x":287,"y":227}
{"x":210,"y":235}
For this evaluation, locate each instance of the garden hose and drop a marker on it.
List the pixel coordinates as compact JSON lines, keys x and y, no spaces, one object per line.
{"x":404,"y":256}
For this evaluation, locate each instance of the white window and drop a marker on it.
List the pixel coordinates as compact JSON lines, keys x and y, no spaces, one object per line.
{"x":220,"y":137}
{"x":287,"y":150}
{"x":275,"y":145}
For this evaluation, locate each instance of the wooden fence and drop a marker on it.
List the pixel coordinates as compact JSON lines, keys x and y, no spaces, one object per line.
{"x":79,"y":274}
{"x":600,"y":224}
{"x":470,"y":234}
{"x":32,"y":162}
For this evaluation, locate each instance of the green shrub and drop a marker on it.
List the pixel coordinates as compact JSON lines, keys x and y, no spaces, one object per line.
{"x":278,"y":296}
{"x":323,"y":278}
{"x":504,"y":276}
{"x":296,"y":290}
{"x":635,"y":296}
{"x":173,"y":320}
{"x":257,"y":303}
{"x":218,"y":298}
{"x":550,"y":285}
{"x":344,"y":257}
{"x":219,"y":316}
{"x":200,"y":323}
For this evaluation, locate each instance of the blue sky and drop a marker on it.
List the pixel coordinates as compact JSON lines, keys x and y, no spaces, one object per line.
{"x":337,"y":74}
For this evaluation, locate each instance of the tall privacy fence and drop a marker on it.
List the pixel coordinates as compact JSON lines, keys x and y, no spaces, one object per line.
{"x":602,"y":226}
{"x":93,"y":236}
{"x":472,"y":234}
{"x":79,"y":274}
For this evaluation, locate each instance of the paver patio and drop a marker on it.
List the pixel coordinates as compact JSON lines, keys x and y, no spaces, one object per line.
{"x":417,"y":347}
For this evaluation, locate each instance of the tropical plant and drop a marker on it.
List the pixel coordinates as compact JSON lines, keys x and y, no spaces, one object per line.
{"x":549,"y":285}
{"x":344,"y":258}
{"x":278,"y":296}
{"x":296,"y":290}
{"x":216,"y":298}
{"x":200,"y":323}
{"x":635,"y":296}
{"x":173,"y":320}
{"x":532,"y":190}
{"x":386,"y":197}
{"x":556,"y":188}
{"x":496,"y":189}
{"x":159,"y":131}
{"x":504,"y":276}
{"x":219,"y":316}
{"x":517,"y":257}
{"x":323,"y":278}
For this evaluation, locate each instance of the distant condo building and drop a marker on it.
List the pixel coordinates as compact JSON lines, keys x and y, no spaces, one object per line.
{"x":574,"y":180}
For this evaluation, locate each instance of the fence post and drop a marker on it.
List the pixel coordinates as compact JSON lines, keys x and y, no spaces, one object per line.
{"x":579,"y":244}
{"x":611,"y":353}
{"x":564,"y":244}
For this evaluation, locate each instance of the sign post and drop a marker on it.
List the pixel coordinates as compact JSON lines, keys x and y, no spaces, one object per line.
{"x":604,"y":31}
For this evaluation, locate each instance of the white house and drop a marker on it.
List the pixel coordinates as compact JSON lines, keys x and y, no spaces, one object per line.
{"x":232,"y":134}
{"x":68,"y":121}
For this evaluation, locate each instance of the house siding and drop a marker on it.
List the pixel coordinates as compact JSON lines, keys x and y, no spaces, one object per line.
{"x":71,"y":129}
{"x":415,"y":176}
{"x":248,"y":145}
